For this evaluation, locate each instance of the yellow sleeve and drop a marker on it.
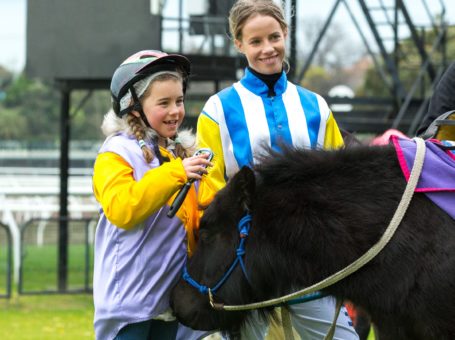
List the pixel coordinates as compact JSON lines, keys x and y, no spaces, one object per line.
{"x":189,"y":214}
{"x":127,"y":202}
{"x":333,"y":138}
{"x":208,"y":136}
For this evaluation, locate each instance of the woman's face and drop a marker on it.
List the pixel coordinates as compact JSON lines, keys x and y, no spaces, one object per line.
{"x":164,"y":107}
{"x":263,"y":43}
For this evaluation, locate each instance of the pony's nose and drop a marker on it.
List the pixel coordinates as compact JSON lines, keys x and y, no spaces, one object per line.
{"x":191,"y":308}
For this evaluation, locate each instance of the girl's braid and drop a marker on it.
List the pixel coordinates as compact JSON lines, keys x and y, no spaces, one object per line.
{"x":139,"y":132}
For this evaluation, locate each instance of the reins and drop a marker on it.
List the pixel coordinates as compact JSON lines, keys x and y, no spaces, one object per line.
{"x":360,"y":262}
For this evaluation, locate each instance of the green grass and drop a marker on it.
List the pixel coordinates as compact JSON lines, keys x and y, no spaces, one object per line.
{"x":50,"y":316}
{"x":47,"y":317}
{"x":3,"y":269}
{"x":371,"y":335}
{"x":40,"y":267}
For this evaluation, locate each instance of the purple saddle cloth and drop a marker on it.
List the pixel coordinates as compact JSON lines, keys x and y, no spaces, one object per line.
{"x":437,"y":179}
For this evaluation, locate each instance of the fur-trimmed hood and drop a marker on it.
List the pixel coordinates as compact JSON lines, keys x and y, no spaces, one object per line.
{"x":112,"y":125}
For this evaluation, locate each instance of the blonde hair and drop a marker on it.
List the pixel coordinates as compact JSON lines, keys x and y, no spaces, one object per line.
{"x":159,"y":76}
{"x":183,"y":143}
{"x":138,"y":129}
{"x":242,"y":10}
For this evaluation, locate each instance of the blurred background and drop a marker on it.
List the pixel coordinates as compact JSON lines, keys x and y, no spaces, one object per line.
{"x":376,"y":62}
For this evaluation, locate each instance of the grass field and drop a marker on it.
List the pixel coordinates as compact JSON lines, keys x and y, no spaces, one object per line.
{"x":40,"y":268}
{"x":50,"y":316}
{"x":47,"y":317}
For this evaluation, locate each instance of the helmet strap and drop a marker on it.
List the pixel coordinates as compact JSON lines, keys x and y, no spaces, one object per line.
{"x":138,"y":107}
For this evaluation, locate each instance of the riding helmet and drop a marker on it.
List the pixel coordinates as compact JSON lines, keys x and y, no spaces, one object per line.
{"x":140,"y":65}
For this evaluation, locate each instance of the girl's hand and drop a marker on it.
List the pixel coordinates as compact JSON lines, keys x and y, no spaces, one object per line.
{"x":196,"y":166}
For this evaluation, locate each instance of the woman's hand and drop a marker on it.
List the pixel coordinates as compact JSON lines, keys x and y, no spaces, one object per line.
{"x":196,"y":166}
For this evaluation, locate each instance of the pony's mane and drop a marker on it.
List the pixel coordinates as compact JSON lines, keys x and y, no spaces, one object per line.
{"x":291,"y":164}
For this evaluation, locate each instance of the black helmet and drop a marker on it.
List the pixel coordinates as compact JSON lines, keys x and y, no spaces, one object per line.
{"x":139,"y":66}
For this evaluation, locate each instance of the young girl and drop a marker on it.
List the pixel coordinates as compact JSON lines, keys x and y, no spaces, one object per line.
{"x":139,"y":251}
{"x":264,"y":108}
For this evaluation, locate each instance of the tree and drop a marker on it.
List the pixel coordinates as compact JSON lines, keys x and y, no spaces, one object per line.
{"x":409,"y":63}
{"x":336,"y":49}
{"x":30,"y":112}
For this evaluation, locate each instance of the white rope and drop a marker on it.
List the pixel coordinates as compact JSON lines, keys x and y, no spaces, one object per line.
{"x":365,"y":258}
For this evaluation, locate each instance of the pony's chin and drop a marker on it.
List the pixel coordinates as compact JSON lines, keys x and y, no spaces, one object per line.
{"x":200,"y":320}
{"x":192,"y":311}
{"x":209,"y":319}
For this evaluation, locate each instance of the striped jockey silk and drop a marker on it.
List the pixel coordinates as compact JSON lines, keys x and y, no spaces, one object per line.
{"x":248,"y":119}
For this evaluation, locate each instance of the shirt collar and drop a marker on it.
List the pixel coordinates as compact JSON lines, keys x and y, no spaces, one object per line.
{"x":257,"y":86}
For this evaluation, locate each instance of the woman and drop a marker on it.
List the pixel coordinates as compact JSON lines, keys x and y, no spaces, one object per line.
{"x":264,"y":108}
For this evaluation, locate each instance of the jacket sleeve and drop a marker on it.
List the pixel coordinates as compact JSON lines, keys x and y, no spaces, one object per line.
{"x":333,"y":138}
{"x":442,"y":100}
{"x":127,"y":202}
{"x":208,"y":136}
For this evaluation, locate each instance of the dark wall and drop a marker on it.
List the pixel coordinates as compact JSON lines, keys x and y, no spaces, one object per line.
{"x":86,"y":39}
{"x":220,"y":7}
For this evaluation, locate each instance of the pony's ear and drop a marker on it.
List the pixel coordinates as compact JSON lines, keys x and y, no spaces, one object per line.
{"x":245,"y":183}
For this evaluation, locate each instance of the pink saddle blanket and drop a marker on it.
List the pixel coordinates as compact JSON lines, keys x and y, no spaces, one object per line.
{"x":437,"y":179}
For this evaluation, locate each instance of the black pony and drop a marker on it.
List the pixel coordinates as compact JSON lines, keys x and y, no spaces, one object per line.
{"x":314,"y":213}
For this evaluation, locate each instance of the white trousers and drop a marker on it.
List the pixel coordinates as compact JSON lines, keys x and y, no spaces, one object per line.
{"x":311,"y":320}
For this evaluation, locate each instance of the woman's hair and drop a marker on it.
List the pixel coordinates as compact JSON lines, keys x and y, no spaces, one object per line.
{"x":242,"y":10}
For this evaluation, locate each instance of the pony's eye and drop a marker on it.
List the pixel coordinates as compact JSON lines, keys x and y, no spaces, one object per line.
{"x":203,"y":235}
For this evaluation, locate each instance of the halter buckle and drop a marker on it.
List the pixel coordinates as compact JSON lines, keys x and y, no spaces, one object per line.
{"x":216,"y":306}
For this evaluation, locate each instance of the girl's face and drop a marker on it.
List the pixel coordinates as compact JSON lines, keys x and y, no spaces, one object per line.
{"x":263,"y":43}
{"x":164,"y":107}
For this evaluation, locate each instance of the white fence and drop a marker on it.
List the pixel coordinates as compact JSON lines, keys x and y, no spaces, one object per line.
{"x":25,"y":196}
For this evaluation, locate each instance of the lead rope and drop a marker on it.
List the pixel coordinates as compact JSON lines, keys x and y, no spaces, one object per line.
{"x":365,"y":258}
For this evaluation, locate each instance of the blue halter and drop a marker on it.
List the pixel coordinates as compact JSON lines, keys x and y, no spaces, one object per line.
{"x":243,"y":227}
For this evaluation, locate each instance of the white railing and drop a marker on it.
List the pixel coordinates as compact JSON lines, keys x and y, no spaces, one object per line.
{"x":23,"y":197}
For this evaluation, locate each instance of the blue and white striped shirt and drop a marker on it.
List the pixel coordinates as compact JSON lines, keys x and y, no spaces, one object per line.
{"x":248,"y":119}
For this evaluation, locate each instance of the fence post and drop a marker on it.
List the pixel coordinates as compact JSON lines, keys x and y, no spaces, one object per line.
{"x":8,"y":259}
